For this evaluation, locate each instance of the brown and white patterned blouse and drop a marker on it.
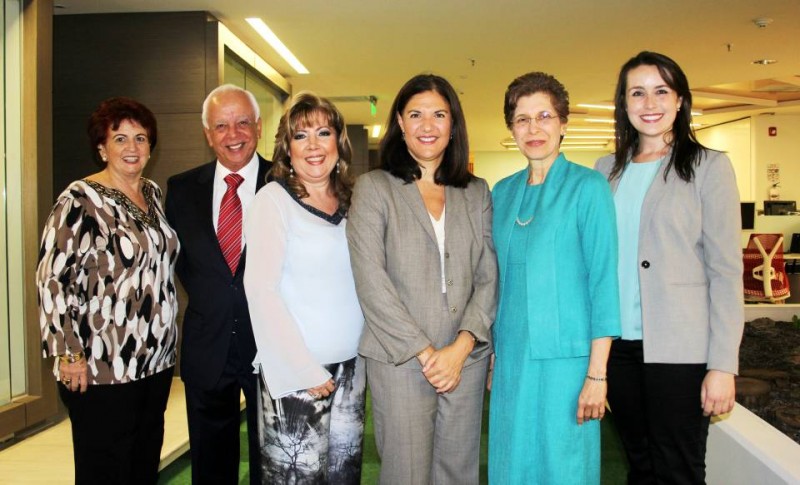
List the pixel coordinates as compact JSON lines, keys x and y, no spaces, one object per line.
{"x":105,"y":282}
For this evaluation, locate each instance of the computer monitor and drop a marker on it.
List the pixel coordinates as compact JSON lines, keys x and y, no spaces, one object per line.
{"x":779,"y":207}
{"x":748,"y":216}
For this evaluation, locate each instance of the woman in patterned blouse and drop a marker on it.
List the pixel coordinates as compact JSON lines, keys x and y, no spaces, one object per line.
{"x":107,"y":302}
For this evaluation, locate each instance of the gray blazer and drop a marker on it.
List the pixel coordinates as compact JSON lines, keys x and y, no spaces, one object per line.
{"x":690,"y":265}
{"x":397,"y":268}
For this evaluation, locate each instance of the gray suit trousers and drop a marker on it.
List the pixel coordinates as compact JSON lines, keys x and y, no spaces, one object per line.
{"x":423,"y":437}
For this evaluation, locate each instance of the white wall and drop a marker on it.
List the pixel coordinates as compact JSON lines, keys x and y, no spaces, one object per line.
{"x":783,"y":149}
{"x":734,"y":139}
{"x":494,"y":166}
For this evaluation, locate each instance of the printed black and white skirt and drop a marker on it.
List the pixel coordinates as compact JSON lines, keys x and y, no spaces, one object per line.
{"x":304,"y":440}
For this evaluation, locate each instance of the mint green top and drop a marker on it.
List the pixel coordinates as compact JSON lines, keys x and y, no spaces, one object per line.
{"x":628,"y":199}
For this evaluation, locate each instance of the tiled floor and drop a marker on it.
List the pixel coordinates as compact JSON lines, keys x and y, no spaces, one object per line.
{"x":46,"y":458}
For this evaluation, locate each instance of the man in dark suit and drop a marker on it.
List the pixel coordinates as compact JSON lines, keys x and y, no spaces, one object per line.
{"x":218,"y":346}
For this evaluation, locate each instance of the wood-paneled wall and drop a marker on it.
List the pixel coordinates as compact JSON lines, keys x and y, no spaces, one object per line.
{"x":167,"y":61}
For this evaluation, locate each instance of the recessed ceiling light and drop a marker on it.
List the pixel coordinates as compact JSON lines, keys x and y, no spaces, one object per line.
{"x":588,"y":137}
{"x":596,"y":106}
{"x":589,"y":130}
{"x":259,"y":26}
{"x":584,"y":147}
{"x":764,"y":62}
{"x":376,"y":131}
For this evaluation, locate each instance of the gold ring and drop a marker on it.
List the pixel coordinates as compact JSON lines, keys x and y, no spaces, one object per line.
{"x":66,"y":381}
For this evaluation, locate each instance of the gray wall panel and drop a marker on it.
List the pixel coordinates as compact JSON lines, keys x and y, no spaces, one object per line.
{"x":159,"y":59}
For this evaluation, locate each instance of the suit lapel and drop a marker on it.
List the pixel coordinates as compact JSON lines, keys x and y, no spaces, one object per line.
{"x":657,"y":190}
{"x":410,"y":193}
{"x":458,"y":231}
{"x":263,"y":169}
{"x":203,"y":202}
{"x":507,"y":209}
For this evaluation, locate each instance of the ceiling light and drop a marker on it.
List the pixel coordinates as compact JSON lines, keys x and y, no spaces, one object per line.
{"x":597,"y":106}
{"x":762,"y":22}
{"x":588,"y":137}
{"x":590,"y":130}
{"x":585,"y":147}
{"x":599,"y":120}
{"x":376,"y":131}
{"x":571,"y":143}
{"x":273,"y":40}
{"x":764,"y":62}
{"x":695,"y":112}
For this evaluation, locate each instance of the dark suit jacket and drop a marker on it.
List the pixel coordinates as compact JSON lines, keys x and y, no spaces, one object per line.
{"x":217,"y":300}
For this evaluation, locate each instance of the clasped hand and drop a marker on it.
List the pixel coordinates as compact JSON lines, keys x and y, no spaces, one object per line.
{"x":442,"y":367}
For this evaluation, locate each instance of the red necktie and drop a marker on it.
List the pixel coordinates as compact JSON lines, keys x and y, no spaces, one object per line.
{"x":229,"y":226}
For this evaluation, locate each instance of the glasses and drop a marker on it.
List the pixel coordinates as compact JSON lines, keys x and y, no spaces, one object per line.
{"x":239,"y":125}
{"x":541,"y":119}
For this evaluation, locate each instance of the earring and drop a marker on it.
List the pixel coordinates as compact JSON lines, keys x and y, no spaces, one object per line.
{"x":679,"y":109}
{"x":403,"y":135}
{"x":337,"y":167}
{"x":291,"y":171}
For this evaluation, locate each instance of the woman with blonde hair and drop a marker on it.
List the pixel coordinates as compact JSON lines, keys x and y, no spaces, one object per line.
{"x":303,"y":305}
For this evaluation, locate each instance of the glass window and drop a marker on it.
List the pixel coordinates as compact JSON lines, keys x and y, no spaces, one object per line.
{"x":270,"y":100}
{"x":12,"y":348}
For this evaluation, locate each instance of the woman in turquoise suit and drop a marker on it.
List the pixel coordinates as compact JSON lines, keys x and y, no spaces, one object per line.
{"x":556,"y":242}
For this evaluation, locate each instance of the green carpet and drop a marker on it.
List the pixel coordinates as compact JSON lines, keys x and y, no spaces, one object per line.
{"x":613,"y":471}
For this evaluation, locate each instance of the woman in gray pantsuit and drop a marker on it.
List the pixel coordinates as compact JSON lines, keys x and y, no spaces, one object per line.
{"x":420,"y":241}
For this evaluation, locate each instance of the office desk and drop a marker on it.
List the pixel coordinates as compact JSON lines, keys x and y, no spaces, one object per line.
{"x":792,"y":266}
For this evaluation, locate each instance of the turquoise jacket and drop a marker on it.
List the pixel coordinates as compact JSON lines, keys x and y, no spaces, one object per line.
{"x":573,"y":292}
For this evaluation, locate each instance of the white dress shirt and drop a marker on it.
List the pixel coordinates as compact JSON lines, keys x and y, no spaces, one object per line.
{"x":246,"y":191}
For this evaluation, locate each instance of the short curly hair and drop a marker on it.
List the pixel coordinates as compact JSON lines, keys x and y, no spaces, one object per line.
{"x":532,"y":83}
{"x":113,"y":111}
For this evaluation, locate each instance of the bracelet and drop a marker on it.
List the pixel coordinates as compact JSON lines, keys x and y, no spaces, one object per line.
{"x":70,"y":358}
{"x":596,"y":379}
{"x":472,"y":335}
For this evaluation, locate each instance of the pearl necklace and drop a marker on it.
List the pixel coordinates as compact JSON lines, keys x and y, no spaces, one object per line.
{"x":525,"y":223}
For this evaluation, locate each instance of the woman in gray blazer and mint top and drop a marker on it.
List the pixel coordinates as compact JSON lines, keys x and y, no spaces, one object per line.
{"x":680,"y":274}
{"x":420,"y":235}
